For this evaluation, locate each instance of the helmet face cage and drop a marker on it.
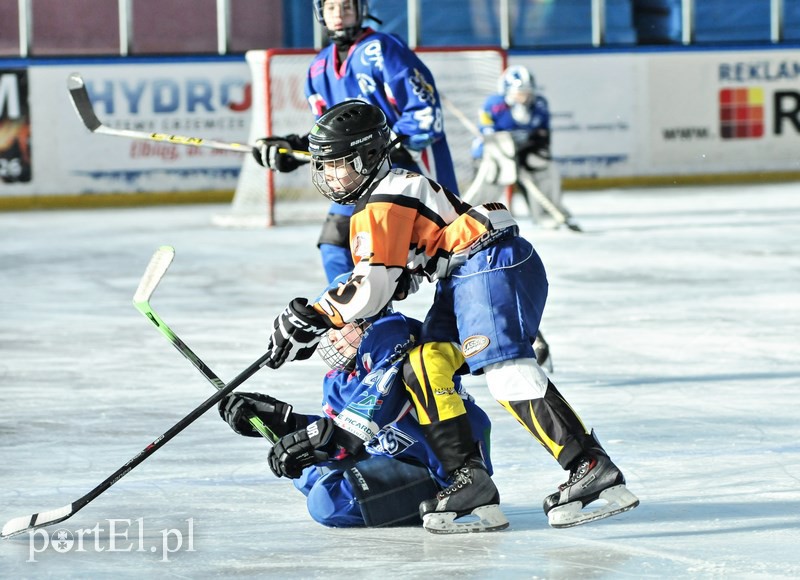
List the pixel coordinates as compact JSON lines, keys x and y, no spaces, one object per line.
{"x":348,"y":145}
{"x":339,"y":179}
{"x":517,"y":85}
{"x":339,"y":346}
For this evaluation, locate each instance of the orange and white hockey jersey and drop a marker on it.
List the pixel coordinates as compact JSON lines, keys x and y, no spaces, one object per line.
{"x":407,"y":223}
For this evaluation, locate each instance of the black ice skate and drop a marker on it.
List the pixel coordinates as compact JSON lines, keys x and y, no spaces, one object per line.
{"x":471,"y":493}
{"x":594,"y":478}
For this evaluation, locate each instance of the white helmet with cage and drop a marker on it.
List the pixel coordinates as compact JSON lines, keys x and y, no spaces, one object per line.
{"x":339,"y":346}
{"x":517,"y":85}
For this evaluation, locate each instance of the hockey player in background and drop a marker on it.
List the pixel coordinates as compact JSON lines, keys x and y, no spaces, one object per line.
{"x":515,"y":149}
{"x":364,"y":461}
{"x":379,"y":68}
{"x":491,"y":290}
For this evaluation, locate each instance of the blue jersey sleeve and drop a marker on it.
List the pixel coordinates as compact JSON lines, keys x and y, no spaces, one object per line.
{"x":412,"y":91}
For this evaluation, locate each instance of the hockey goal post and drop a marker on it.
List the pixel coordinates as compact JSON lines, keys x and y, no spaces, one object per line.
{"x":464,"y":77}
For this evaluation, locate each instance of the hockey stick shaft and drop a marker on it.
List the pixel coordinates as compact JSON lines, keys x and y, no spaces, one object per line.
{"x":83,"y":106}
{"x":31,"y":522}
{"x":459,"y":114}
{"x":159,"y":263}
{"x":559,"y":215}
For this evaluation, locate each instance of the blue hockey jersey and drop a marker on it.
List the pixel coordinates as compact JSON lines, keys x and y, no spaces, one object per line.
{"x":497,"y":115}
{"x":382,"y":70}
{"x":372,"y":403}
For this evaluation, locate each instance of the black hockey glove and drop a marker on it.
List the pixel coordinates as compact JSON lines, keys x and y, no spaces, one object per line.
{"x":276,"y":153}
{"x":301,"y":449}
{"x":407,"y":284}
{"x":297,"y":331}
{"x":535,"y":153}
{"x":237,"y":408}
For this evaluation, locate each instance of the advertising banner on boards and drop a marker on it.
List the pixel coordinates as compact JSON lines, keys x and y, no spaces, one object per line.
{"x":205,"y":98}
{"x":15,"y":127}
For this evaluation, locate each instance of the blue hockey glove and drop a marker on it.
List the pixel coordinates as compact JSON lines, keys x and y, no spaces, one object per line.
{"x":418,"y":142}
{"x":296,"y":333}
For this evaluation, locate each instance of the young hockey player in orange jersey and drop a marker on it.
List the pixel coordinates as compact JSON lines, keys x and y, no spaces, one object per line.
{"x":490,"y":295}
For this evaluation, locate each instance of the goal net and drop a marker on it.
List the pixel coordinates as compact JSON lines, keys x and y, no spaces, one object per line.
{"x":464,"y":78}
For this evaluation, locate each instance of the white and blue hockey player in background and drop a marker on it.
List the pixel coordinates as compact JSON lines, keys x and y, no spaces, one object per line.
{"x":364,"y":462}
{"x":379,"y":68}
{"x":515,"y":128}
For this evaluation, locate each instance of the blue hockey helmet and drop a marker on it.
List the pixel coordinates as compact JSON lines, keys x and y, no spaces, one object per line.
{"x":517,"y":85}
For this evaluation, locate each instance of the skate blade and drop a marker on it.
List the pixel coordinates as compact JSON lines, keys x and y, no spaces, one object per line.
{"x":489,"y":519}
{"x":618,"y":499}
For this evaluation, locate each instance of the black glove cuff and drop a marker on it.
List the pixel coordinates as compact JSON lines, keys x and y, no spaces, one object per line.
{"x":306,"y":313}
{"x":297,"y":142}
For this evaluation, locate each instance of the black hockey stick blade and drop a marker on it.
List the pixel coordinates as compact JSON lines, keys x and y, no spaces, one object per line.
{"x":83,"y":106}
{"x":23,"y":524}
{"x":82,"y":103}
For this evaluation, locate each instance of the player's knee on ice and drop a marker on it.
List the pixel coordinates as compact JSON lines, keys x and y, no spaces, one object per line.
{"x":330,"y":502}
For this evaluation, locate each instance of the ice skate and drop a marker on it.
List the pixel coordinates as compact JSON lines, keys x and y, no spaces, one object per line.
{"x":469,"y":504}
{"x":595,"y":478}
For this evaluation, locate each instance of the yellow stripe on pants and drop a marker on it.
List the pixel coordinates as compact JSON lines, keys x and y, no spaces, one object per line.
{"x":428,"y":377}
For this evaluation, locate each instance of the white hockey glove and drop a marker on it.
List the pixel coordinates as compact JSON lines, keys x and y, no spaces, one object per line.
{"x":536,"y":161}
{"x":277,"y":153}
{"x":297,"y":331}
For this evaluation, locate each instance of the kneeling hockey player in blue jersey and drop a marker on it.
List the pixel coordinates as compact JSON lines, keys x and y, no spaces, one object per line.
{"x":365,"y":462}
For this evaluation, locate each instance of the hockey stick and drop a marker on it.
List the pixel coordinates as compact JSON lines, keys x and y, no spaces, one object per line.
{"x":33,"y":521}
{"x":159,"y":263}
{"x":561,"y":216}
{"x":83,"y":106}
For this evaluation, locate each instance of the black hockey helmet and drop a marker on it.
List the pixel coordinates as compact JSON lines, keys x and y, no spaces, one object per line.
{"x":348,"y":145}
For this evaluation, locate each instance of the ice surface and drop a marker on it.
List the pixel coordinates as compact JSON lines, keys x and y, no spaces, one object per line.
{"x":674,"y":325}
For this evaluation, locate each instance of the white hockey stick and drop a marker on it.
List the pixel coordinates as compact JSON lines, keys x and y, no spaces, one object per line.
{"x":561,"y":216}
{"x":159,"y":263}
{"x":155,"y":271}
{"x":83,"y":106}
{"x":34,"y":521}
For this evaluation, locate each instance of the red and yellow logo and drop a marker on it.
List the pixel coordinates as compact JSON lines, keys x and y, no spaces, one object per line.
{"x":741,"y":113}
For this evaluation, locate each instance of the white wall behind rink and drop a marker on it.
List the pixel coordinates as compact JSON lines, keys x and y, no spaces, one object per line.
{"x":644,"y":116}
{"x":659,"y":114}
